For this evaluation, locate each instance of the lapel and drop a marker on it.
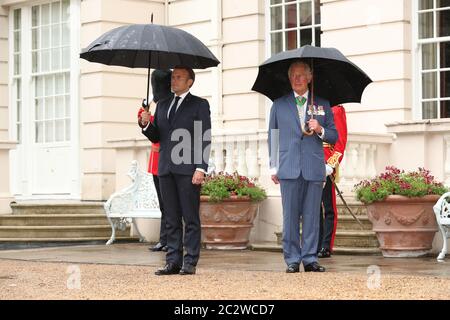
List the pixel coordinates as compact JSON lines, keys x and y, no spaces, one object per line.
{"x":184,"y":105}
{"x":292,"y":106}
{"x":307,"y":117}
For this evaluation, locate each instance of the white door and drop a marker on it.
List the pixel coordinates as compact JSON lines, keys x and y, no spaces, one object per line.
{"x":46,"y":160}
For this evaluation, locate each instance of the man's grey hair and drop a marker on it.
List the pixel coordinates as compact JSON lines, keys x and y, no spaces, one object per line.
{"x":299,"y":63}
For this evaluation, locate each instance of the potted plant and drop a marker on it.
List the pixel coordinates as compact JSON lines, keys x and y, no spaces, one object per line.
{"x":400,"y":207}
{"x":228,"y":206}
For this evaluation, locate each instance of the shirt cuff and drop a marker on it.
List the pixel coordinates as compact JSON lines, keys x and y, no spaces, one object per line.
{"x":273,"y":171}
{"x":146,"y":127}
{"x":322,"y":135}
{"x":201,"y":170}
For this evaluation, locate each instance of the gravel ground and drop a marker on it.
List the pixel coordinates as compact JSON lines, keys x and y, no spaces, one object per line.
{"x":39,"y":280}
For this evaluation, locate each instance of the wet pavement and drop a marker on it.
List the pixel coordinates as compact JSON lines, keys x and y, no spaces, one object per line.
{"x":137,"y":254}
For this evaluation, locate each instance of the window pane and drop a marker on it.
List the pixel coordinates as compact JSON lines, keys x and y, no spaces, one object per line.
{"x":65,"y":57}
{"x":318,"y":33}
{"x":59,"y":83}
{"x":443,"y":23}
{"x":59,"y":130}
{"x":17,"y":64}
{"x":17,"y":19}
{"x":19,"y":111}
{"x":36,"y":56}
{"x":17,"y":41}
{"x":19,"y":89}
{"x":277,"y":42}
{"x":39,"y":103}
{"x":56,"y":59}
{"x":276,"y":18}
{"x":429,"y":56}
{"x":67,"y":106}
{"x":49,"y":135}
{"x":317,"y":11}
{"x":425,"y":4}
{"x":49,"y":87}
{"x":290,"y":15}
{"x":39,"y":132}
{"x":59,"y":107}
{"x":425,"y":25}
{"x":45,"y":37}
{"x":445,"y":84}
{"x":305,"y":14}
{"x":35,"y":39}
{"x":67,"y":82}
{"x":65,"y":10}
{"x":305,"y":37}
{"x":35,"y":16}
{"x":429,"y":85}
{"x":67,"y":130}
{"x":56,"y":12}
{"x":65,"y":34}
{"x":291,"y":40}
{"x":45,"y":60}
{"x":19,"y":133}
{"x":429,"y":110}
{"x":445,"y":54}
{"x":39,"y":87}
{"x":275,"y":1}
{"x":442,"y":3}
{"x":49,"y":114}
{"x":45,"y":14}
{"x":445,"y":109}
{"x":56,"y":35}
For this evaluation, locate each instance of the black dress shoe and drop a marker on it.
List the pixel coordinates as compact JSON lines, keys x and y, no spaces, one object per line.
{"x":165,"y":248}
{"x":157,"y":247}
{"x":293,"y":268}
{"x":170,"y":268}
{"x":187,"y":269}
{"x":324,"y":253}
{"x":314,"y":267}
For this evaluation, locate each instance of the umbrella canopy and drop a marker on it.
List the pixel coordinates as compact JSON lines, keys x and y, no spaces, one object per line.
{"x":149,"y":46}
{"x":335,"y":77}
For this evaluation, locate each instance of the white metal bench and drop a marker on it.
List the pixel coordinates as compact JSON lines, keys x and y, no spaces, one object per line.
{"x":442,"y":212}
{"x":139,"y":200}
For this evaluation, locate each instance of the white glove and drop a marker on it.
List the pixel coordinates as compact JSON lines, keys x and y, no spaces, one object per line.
{"x":328,"y":169}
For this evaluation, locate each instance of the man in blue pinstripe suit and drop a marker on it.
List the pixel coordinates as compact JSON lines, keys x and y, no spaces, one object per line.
{"x":297,"y":164}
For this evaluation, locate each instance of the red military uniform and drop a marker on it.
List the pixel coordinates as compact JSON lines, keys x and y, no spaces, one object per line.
{"x":154,"y":152}
{"x":334,"y":154}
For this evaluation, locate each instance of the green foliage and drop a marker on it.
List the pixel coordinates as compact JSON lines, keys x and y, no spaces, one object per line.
{"x":395,"y":182}
{"x":222,"y":186}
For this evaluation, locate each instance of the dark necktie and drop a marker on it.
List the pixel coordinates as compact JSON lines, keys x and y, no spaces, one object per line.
{"x":173,"y":110}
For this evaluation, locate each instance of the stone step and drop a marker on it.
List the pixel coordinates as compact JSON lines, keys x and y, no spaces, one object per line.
{"x":53,"y":219}
{"x":62,"y":232}
{"x":57,"y":207}
{"x":347,"y":222}
{"x":76,"y":239}
{"x":358,"y":239}
{"x":356,"y":251}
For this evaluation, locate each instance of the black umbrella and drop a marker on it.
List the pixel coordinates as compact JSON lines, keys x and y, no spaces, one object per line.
{"x":335,"y":78}
{"x":149,"y":46}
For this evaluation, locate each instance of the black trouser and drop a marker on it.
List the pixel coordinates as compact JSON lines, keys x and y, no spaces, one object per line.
{"x":181,"y":203}
{"x":162,"y":230}
{"x":327,"y":218}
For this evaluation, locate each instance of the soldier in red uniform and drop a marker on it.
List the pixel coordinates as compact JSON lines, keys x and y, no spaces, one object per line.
{"x":328,"y":212}
{"x":161,"y":89}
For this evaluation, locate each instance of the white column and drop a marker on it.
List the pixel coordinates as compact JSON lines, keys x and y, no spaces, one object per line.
{"x":447,"y":161}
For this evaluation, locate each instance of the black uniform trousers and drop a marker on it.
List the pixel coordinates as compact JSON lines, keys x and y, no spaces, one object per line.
{"x":162,"y":230}
{"x":326,"y":217}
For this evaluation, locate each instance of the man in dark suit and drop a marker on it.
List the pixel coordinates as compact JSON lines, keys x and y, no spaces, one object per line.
{"x":182,"y":126}
{"x":297,"y":164}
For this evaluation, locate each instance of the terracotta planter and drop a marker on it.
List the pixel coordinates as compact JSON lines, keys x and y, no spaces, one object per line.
{"x":405,"y":227}
{"x":227,"y":224}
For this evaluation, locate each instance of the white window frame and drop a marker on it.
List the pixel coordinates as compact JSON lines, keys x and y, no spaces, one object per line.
{"x":417,"y":62}
{"x":24,"y":191}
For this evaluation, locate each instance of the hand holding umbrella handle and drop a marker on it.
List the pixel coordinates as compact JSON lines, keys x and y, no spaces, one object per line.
{"x":145,"y":105}
{"x":306,"y":129}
